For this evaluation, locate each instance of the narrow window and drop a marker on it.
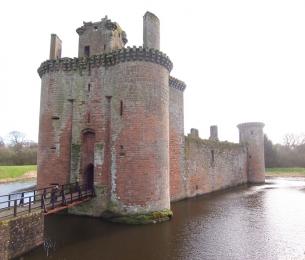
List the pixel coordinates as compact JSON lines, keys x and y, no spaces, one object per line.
{"x":88,"y":118}
{"x":212,"y":156}
{"x":89,"y":87}
{"x":121,"y":108}
{"x":87,"y":51}
{"x":104,"y":46}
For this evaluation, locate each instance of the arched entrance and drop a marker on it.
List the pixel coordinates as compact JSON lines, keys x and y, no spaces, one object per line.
{"x":89,"y":175}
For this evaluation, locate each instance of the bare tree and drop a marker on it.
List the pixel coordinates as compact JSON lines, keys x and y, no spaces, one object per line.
{"x":2,"y":144}
{"x":292,"y":140}
{"x":17,"y":140}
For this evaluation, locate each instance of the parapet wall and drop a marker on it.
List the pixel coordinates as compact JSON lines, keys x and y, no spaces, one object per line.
{"x":106,"y":60}
{"x":176,"y":83}
{"x":212,"y":165}
{"x":20,"y":234}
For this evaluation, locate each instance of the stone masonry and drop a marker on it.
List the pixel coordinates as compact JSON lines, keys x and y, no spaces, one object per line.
{"x":113,"y":118}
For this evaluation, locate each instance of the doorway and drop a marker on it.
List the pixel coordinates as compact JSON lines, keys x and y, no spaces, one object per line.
{"x":89,"y":176}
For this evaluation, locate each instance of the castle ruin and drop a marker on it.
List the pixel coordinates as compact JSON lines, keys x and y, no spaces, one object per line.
{"x":113,"y":118}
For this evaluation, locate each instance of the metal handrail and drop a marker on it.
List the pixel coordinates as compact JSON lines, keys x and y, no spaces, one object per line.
{"x":45,"y":198}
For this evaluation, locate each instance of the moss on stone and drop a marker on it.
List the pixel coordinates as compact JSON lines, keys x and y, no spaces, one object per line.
{"x":140,"y":219}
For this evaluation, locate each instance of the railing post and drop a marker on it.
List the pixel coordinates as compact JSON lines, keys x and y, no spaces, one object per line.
{"x":9,"y":200}
{"x":43,"y":205}
{"x":34,"y":196}
{"x":15,"y":208}
{"x":63,"y":197}
{"x":21,"y":202}
{"x":30,"y":202}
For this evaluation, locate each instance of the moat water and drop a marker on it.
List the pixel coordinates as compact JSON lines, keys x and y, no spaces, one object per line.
{"x":260,"y":222}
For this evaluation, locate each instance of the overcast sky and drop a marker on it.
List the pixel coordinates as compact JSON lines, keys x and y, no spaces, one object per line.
{"x":241,"y":60}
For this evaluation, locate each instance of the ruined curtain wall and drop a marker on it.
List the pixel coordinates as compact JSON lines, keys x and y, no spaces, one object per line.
{"x":212,"y":166}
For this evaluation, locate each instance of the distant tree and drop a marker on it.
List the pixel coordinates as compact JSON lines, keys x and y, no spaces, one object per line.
{"x":2,"y":144}
{"x":270,"y":153}
{"x":19,"y":151}
{"x":293,"y":140}
{"x":17,"y":140}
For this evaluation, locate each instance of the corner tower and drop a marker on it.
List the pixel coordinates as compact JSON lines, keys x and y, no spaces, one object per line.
{"x":252,"y":135}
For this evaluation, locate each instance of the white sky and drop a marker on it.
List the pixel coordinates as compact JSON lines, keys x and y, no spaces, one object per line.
{"x":241,"y":60}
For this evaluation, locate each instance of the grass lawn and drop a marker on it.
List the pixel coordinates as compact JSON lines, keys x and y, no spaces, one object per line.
{"x":285,"y":171}
{"x":15,"y":171}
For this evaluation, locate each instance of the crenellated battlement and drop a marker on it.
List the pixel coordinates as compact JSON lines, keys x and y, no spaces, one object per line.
{"x":176,"y":83}
{"x":108,"y":59}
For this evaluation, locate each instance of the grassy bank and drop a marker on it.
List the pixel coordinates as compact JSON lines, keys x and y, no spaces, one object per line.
{"x":12,"y":172}
{"x":285,"y":172}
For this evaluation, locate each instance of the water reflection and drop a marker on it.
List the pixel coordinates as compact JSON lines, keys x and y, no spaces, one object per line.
{"x":260,"y":222}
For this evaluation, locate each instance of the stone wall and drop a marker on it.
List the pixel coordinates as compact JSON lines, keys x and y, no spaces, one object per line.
{"x":176,"y":139}
{"x":212,"y":165}
{"x":20,"y":234}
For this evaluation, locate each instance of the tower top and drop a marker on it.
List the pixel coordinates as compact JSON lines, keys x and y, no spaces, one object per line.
{"x":151,"y":31}
{"x":251,"y":124}
{"x":100,"y":37}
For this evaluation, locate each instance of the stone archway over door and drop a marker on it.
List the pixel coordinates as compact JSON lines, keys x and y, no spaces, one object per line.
{"x":87,"y":157}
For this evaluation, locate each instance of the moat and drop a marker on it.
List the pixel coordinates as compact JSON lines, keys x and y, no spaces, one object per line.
{"x":260,"y":222}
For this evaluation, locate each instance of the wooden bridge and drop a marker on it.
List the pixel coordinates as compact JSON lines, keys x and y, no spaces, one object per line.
{"x":47,"y":200}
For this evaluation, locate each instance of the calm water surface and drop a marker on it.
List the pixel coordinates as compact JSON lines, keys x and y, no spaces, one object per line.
{"x":260,"y":222}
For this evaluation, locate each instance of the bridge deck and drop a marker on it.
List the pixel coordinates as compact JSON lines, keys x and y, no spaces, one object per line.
{"x":48,"y":200}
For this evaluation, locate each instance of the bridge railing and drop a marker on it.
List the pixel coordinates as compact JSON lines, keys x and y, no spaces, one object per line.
{"x":45,"y":199}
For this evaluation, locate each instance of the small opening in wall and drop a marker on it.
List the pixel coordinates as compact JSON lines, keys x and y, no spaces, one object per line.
{"x":95,"y":28}
{"x":104,"y":46}
{"x":55,"y":117}
{"x":122,"y":152}
{"x":121,"y":108}
{"x":89,"y":87}
{"x":212,"y":156}
{"x":87,"y":51}
{"x":88,"y":118}
{"x":53,"y":148}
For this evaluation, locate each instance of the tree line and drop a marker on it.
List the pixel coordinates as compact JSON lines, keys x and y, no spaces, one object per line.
{"x":289,"y":154}
{"x":18,"y":150}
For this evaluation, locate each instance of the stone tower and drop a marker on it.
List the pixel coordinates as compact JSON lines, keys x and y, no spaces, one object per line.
{"x":104,"y":120}
{"x":100,"y":37}
{"x":252,"y":136}
{"x":151,"y":31}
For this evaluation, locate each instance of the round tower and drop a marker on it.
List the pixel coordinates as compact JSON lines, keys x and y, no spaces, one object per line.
{"x":252,"y":136}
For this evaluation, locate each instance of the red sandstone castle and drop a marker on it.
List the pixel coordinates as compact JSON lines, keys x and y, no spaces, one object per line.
{"x":113,"y":119}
